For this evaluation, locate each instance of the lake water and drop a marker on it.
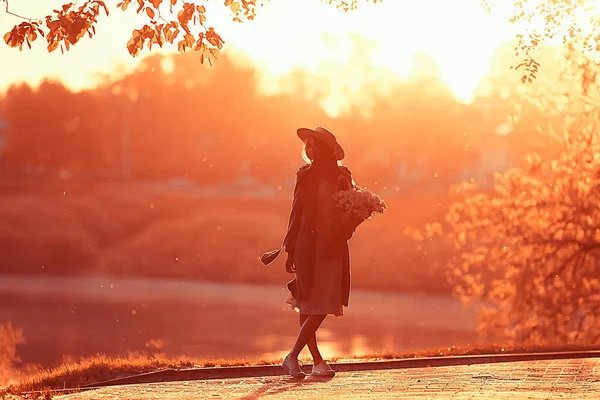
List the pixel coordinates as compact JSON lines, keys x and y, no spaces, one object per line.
{"x":71,"y":317}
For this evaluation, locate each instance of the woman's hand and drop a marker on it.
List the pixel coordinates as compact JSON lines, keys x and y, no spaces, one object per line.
{"x":289,"y":264}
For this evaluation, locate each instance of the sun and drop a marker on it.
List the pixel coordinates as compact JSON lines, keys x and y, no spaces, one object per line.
{"x":351,"y":47}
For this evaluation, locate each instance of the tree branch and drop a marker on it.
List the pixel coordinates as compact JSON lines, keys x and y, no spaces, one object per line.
{"x":584,"y":246}
{"x":561,"y":269}
{"x":17,"y":15}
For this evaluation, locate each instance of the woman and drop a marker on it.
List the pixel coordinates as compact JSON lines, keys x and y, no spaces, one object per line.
{"x":316,"y":245}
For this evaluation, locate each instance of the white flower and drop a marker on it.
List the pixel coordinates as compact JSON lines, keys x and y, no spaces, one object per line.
{"x":359,"y":204}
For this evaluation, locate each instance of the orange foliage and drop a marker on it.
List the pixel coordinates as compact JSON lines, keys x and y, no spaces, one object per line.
{"x":547,"y":20}
{"x":68,"y":24}
{"x":528,"y":247}
{"x":536,"y":236}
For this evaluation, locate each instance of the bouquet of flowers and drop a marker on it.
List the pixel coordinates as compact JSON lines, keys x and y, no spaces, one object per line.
{"x":355,"y":206}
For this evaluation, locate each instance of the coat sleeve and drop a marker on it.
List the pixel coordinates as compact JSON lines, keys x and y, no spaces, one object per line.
{"x":295,"y":217}
{"x":293,"y":223}
{"x":346,"y":175}
{"x":345,"y":227}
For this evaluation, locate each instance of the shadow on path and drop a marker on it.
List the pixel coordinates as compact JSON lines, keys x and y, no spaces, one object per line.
{"x":278,"y":386}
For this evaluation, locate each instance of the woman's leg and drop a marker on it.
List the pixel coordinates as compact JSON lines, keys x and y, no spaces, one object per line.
{"x":307,"y":331}
{"x":312,"y":343}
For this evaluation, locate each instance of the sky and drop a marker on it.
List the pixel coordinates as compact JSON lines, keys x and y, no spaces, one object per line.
{"x":291,"y":34}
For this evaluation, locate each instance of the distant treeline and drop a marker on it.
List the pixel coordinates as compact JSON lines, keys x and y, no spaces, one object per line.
{"x":212,"y":125}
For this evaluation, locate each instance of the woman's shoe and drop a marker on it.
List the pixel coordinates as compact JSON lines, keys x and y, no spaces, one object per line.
{"x":292,"y":367}
{"x":322,"y":369}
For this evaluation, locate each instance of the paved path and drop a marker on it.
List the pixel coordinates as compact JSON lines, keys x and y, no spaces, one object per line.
{"x":554,"y":379}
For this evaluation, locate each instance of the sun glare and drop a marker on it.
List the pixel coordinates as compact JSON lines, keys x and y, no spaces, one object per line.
{"x":347,"y":51}
{"x":458,"y":35}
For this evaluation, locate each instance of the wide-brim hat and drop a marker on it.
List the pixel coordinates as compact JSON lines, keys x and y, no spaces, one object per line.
{"x":324,"y":135}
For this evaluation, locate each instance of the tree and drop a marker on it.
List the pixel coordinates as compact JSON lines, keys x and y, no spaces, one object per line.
{"x":71,"y":131}
{"x":574,"y":22}
{"x":529,"y":248}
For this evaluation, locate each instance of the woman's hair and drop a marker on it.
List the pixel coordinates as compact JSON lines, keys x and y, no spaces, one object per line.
{"x":305,"y":155}
{"x":322,"y":155}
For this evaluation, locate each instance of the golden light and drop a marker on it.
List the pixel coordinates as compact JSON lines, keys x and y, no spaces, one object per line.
{"x":343,"y":52}
{"x":353,"y":50}
{"x":458,"y":35}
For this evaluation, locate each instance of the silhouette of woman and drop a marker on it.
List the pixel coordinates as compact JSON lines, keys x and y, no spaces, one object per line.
{"x":316,"y":244}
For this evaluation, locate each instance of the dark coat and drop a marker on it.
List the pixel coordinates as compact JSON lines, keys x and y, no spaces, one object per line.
{"x":300,"y":239}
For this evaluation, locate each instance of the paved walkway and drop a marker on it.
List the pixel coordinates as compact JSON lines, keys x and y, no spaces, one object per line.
{"x":554,"y":379}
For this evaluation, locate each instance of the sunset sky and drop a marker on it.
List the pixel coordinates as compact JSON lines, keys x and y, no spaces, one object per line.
{"x":289,"y":34}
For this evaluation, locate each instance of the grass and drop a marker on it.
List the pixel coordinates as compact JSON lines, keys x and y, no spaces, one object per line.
{"x":101,"y":368}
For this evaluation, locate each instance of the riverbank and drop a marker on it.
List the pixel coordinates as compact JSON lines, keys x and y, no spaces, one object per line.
{"x":69,"y":318}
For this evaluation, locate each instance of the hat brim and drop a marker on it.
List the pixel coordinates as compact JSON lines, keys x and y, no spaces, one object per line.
{"x":304,"y":133}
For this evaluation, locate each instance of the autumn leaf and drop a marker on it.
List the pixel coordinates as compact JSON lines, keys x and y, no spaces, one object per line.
{"x":52,"y":46}
{"x":181,"y":46}
{"x":189,"y":40}
{"x":150,"y":12}
{"x":103,"y":5}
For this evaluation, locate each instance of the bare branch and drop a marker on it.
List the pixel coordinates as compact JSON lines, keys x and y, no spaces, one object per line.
{"x":7,"y":10}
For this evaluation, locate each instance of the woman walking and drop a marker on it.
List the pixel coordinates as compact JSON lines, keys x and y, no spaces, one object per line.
{"x":316,"y":244}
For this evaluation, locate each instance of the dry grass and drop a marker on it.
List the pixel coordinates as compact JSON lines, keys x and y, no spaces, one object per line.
{"x":102,"y":368}
{"x":489,"y":349}
{"x":10,"y":338}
